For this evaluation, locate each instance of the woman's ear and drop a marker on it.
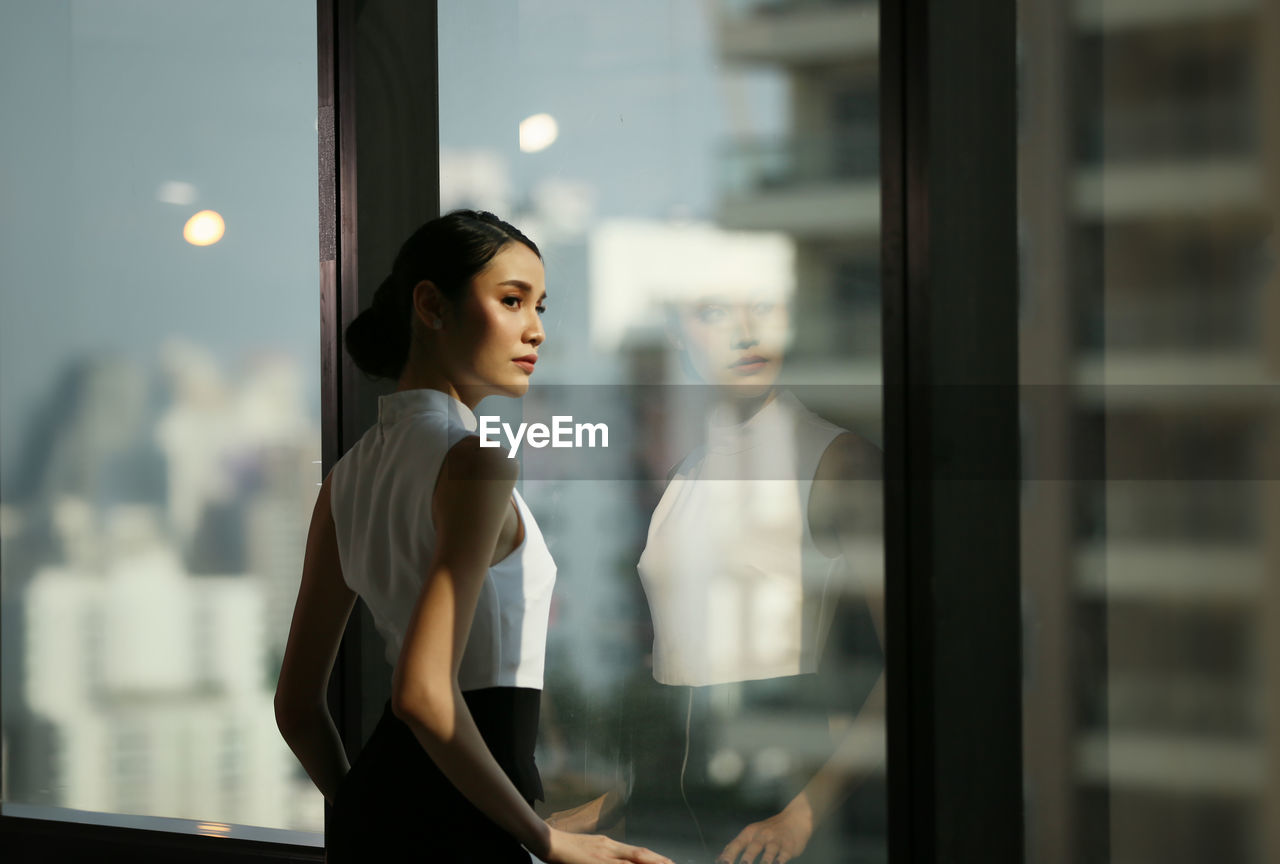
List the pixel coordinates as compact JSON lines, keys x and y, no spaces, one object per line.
{"x":429,"y":305}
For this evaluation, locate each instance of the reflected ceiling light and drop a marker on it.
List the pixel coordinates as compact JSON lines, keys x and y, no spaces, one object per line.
{"x":538,"y":132}
{"x":204,"y":229}
{"x":176,"y":192}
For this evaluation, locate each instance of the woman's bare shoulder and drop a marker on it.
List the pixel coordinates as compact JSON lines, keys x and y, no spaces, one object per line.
{"x":468,"y":458}
{"x":471,"y":473}
{"x":850,"y":456}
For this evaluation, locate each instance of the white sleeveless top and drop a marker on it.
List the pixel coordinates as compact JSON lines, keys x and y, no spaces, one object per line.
{"x":736,"y":585}
{"x":381,"y":501}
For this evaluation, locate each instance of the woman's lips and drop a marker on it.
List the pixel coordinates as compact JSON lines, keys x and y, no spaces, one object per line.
{"x":525,"y":365}
{"x":749,"y":365}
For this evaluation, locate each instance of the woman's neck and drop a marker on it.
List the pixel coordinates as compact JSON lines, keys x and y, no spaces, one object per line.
{"x":740,"y":409}
{"x":411,"y":380}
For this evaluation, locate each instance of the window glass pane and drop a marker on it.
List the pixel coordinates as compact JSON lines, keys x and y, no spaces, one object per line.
{"x":1148,"y":206}
{"x":159,"y":405}
{"x":702,"y":179}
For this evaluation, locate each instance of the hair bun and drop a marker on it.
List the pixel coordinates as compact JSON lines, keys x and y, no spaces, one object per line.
{"x":378,"y":339}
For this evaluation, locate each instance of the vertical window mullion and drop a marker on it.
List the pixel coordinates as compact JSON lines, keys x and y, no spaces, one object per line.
{"x":952,"y":449}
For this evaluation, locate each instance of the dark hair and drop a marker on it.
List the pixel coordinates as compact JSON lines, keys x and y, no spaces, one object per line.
{"x":449,"y":251}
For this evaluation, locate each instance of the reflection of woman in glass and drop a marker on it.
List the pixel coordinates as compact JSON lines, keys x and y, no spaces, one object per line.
{"x":428,"y":529}
{"x":745,"y":564}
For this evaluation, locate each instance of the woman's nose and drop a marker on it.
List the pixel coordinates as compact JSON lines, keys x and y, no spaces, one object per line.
{"x":743,"y":329}
{"x":536,"y":335}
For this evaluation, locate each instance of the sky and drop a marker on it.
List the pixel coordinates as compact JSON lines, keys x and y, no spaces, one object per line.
{"x":118,"y":98}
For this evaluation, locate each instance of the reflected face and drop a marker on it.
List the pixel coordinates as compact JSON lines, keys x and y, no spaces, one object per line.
{"x":737,"y":343}
{"x":494,"y":333}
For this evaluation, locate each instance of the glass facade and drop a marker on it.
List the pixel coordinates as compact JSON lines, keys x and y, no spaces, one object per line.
{"x":1147,"y":210}
{"x":703,"y":182}
{"x":159,"y":406}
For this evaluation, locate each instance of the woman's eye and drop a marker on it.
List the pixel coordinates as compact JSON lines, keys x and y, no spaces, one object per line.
{"x":764,"y":308}
{"x":516,"y":300}
{"x":710,"y":313}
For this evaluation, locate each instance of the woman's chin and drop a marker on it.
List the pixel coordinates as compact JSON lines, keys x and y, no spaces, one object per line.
{"x":516,"y":388}
{"x":747,"y":386}
{"x":744,"y":390}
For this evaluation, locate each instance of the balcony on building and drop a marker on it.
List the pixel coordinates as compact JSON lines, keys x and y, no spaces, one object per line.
{"x":1124,"y":14}
{"x":1155,"y":160}
{"x":798,"y":31}
{"x":809,"y":187}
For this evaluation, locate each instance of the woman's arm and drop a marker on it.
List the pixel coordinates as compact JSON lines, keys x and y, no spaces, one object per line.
{"x":845,"y":509}
{"x":468,"y":507}
{"x":319,"y":617}
{"x":847,"y":501}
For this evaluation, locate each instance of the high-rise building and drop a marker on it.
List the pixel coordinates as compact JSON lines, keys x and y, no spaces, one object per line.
{"x":1148,"y":332}
{"x":817,"y":180}
{"x":150,"y":679}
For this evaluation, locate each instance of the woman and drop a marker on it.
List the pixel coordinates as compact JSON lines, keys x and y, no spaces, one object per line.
{"x":427,"y":527}
{"x":745,"y":568}
{"x":774,"y":543}
{"x":754,"y":541}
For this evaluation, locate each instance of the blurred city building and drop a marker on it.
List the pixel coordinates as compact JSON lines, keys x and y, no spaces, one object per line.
{"x":150,"y":567}
{"x":778,"y":102}
{"x":806,"y":202}
{"x":159,"y":409}
{"x":1147,"y":192}
{"x":818,"y":181}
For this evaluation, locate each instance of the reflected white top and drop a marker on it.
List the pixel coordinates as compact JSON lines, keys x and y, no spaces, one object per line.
{"x":736,"y":585}
{"x":381,"y":500}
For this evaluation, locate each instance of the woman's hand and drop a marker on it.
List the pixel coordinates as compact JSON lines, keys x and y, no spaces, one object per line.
{"x":569,"y":848}
{"x":775,"y":840}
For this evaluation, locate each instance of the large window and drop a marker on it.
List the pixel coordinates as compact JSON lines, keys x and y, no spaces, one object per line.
{"x":702,"y":179}
{"x":705,"y":180}
{"x":159,"y":406}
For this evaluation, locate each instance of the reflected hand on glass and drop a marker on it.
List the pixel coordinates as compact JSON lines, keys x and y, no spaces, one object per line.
{"x":576,"y":820}
{"x":775,"y":840}
{"x":597,"y":814}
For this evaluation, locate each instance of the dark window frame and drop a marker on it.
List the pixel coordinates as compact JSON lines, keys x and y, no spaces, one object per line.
{"x":952,"y":592}
{"x":949,"y":253}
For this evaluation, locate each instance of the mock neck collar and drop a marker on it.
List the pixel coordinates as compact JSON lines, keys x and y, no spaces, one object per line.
{"x":402,"y":403}
{"x":726,"y":434}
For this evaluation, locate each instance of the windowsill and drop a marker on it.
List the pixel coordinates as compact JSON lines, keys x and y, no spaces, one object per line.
{"x":159,"y":823}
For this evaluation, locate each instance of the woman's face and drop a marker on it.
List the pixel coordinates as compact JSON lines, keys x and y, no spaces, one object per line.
{"x":738,"y":343}
{"x":493,"y":334}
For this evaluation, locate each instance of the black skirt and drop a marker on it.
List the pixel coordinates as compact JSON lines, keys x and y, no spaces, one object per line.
{"x":396,"y":805}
